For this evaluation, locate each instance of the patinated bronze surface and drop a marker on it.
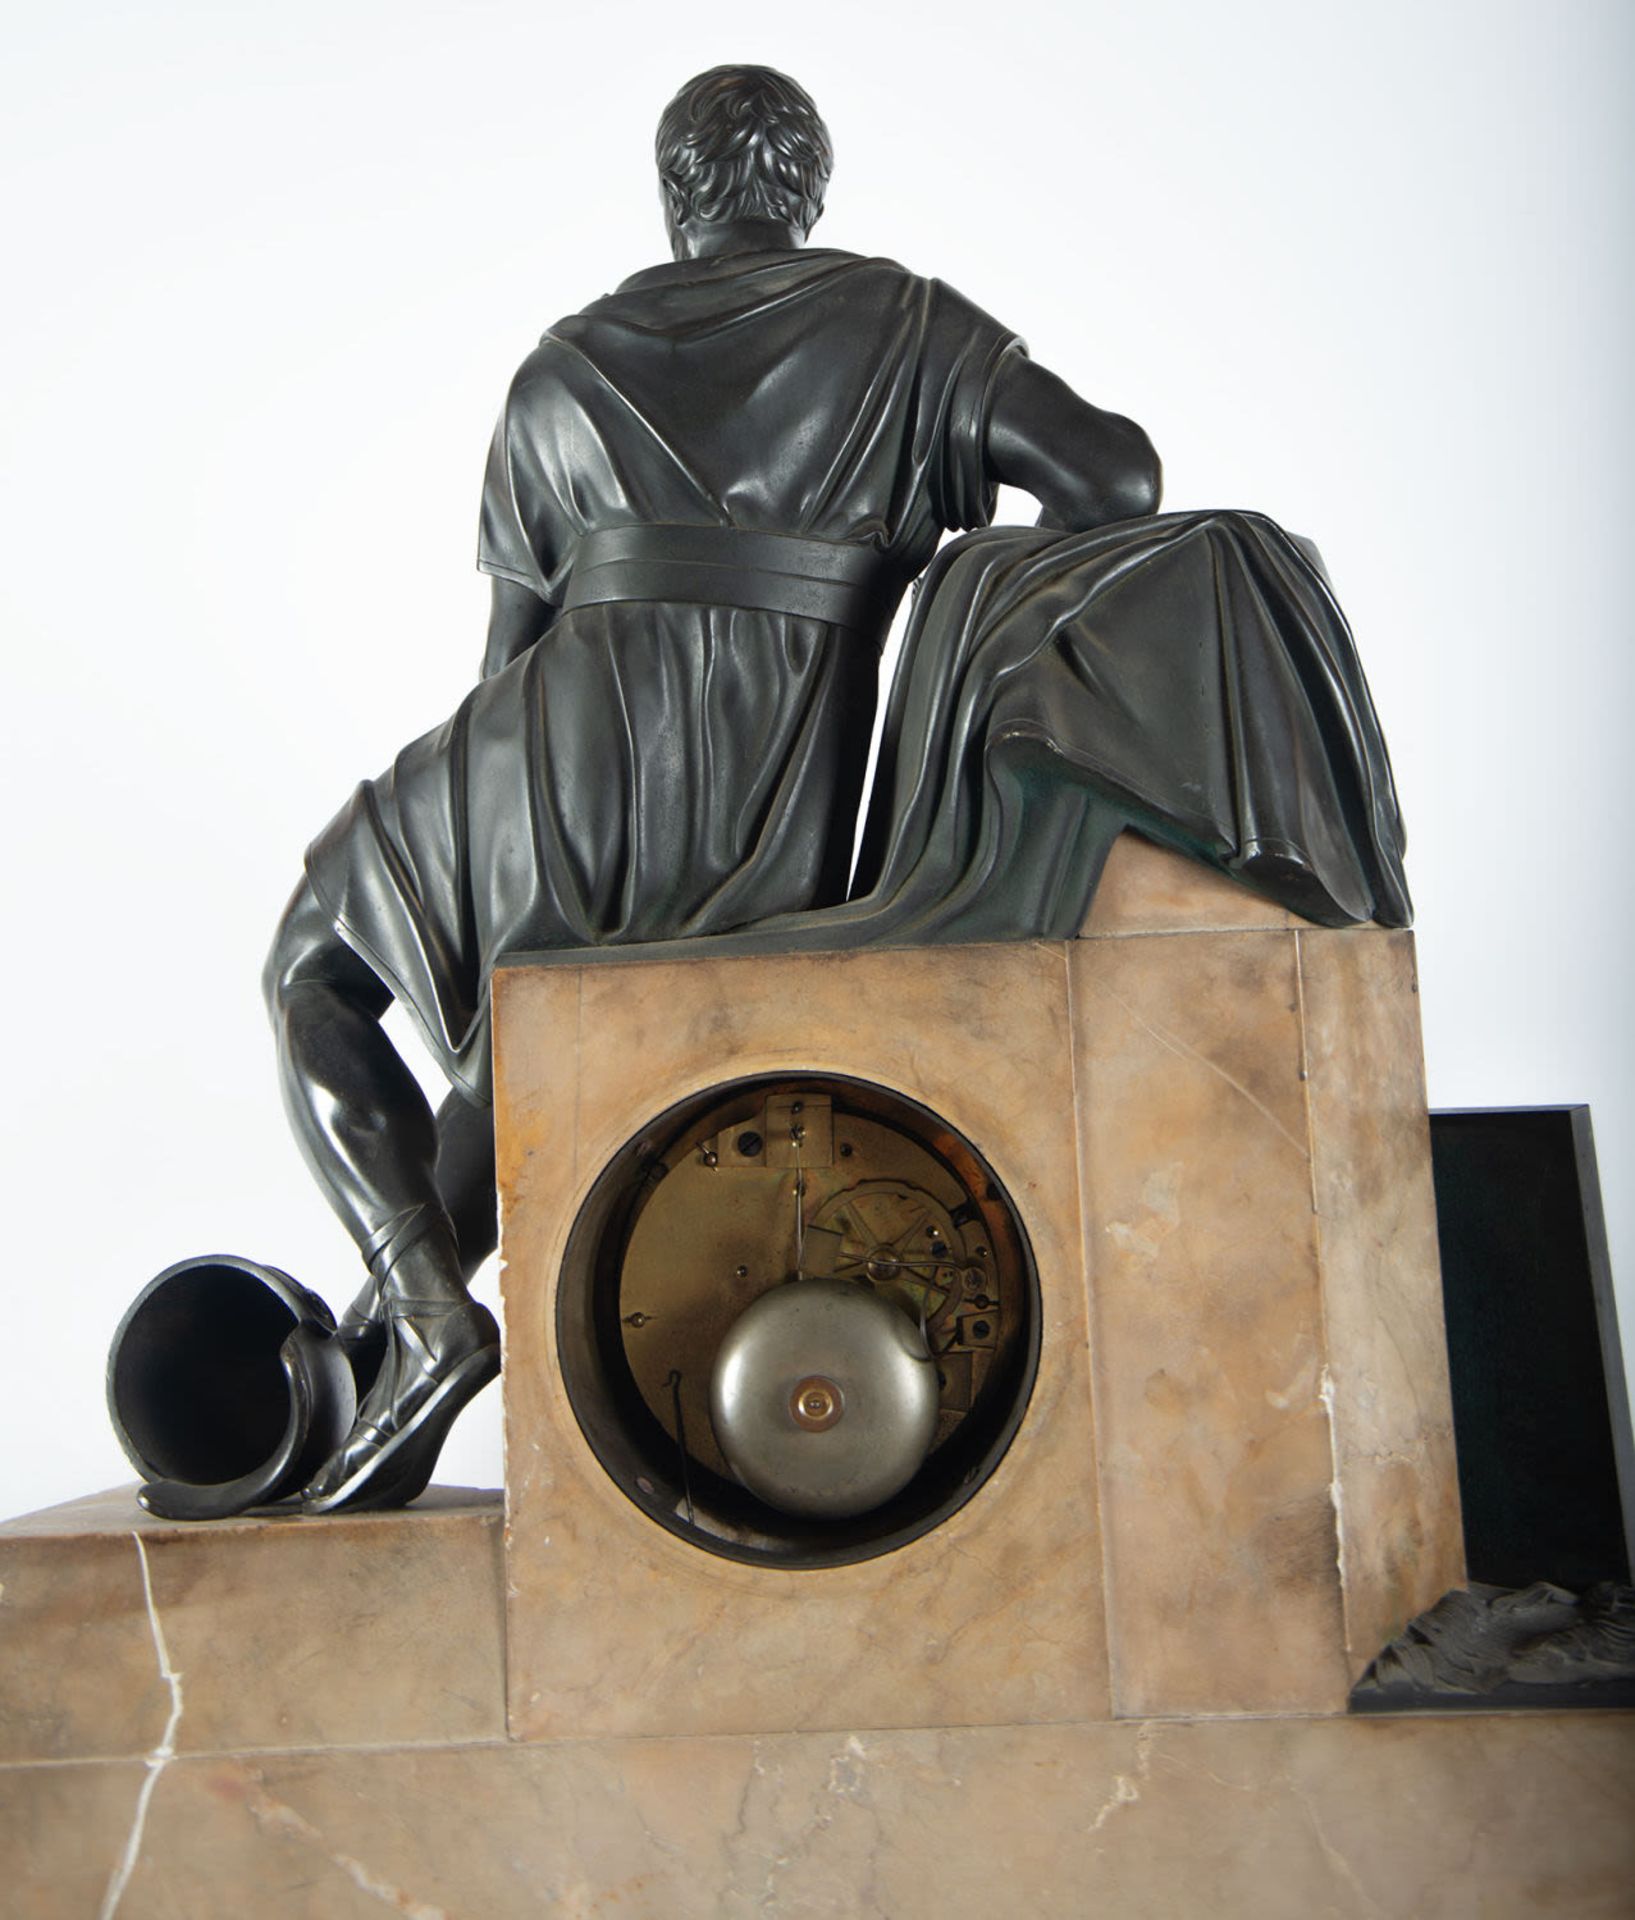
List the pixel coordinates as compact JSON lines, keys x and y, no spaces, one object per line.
{"x":1486,"y":1649}
{"x":707,"y":493}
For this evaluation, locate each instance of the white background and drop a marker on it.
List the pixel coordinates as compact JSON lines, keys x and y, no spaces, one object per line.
{"x":1364,"y":267}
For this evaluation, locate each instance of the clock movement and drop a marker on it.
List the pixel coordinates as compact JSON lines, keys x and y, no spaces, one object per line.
{"x":798,"y":1319}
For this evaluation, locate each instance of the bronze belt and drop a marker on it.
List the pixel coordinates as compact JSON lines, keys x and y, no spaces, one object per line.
{"x":843,"y":583}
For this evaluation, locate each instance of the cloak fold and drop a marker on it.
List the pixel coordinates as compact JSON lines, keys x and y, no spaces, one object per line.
{"x":1188,"y":675}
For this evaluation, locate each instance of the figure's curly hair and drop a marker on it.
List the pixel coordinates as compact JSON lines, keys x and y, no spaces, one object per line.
{"x":743,"y":143}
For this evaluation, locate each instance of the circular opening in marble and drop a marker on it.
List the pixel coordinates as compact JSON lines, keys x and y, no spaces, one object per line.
{"x":761,"y":1184}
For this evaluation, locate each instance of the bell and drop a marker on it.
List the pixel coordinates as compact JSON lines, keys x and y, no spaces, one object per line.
{"x":824,"y":1398}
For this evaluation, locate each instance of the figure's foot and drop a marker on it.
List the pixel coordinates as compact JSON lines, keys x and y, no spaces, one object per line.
{"x":438,"y":1357}
{"x":360,"y":1333}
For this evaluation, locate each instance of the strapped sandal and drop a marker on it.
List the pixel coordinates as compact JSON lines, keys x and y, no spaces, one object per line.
{"x":440,"y":1356}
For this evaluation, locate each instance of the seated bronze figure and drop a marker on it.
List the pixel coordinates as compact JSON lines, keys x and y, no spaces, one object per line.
{"x":706,"y":496}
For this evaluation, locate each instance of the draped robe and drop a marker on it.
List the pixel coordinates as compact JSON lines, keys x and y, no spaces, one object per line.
{"x":659,"y":770}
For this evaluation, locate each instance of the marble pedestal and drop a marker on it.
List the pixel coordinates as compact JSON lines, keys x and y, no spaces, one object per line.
{"x":1235,"y":1477}
{"x":233,"y":1771}
{"x":1113,"y":1682}
{"x":287,"y":1720}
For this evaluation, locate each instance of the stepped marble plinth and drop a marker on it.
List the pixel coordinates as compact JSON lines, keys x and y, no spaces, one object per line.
{"x":369,"y":1629}
{"x":1505,"y":1816}
{"x":1114,"y":1681}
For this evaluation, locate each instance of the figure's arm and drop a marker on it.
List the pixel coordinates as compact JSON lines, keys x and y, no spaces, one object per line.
{"x":515,"y":621}
{"x":1083,"y":466}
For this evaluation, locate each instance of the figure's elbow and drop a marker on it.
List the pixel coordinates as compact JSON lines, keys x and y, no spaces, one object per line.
{"x":1135,"y":486}
{"x":1126,"y":483}
{"x":1084,"y":465}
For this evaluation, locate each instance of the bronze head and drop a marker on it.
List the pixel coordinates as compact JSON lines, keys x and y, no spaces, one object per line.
{"x":742,"y":144}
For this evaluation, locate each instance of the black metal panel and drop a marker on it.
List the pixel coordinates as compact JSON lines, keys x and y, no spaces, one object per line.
{"x":1541,"y":1408}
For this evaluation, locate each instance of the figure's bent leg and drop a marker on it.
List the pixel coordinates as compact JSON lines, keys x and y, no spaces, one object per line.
{"x":371,"y":1141}
{"x":465,"y":1178}
{"x":358,"y":1114}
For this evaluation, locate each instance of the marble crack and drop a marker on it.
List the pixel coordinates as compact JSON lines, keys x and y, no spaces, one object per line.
{"x":1338,"y":1864}
{"x":1394,"y":1457}
{"x":1126,"y":1786}
{"x":656,"y":1840}
{"x":845,"y":1780}
{"x":1176,"y":1045}
{"x":161,"y":1756}
{"x":846,"y":1770}
{"x":283,"y":1818}
{"x":1410,"y":1375}
{"x":1325,"y":1393}
{"x":735,"y":1838}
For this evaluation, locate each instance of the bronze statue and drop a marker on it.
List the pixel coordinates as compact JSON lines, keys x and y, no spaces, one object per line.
{"x":707,"y":493}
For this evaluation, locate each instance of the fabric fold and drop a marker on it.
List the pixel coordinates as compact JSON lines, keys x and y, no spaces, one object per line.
{"x":1189,"y":676}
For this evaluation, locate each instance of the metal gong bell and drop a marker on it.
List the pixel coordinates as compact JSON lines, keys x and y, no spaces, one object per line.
{"x":824,"y":1398}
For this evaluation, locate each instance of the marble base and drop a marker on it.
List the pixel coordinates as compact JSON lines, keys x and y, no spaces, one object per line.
{"x":1277,"y":1819}
{"x":1113,"y":1681}
{"x":367,"y":1628}
{"x":304,"y":1721}
{"x":1235,"y":1479}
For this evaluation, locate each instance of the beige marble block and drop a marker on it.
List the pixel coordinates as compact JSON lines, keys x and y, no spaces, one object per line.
{"x":1401,"y":1540}
{"x":1208,"y":1338}
{"x":617,"y":1626}
{"x":1146,"y":888}
{"x":1279,"y":1489}
{"x":1259,"y":1491}
{"x":1502,"y":1816}
{"x":283,"y":1633}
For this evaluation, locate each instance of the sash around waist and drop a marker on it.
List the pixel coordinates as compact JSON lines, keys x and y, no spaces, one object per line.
{"x":844,"y":583}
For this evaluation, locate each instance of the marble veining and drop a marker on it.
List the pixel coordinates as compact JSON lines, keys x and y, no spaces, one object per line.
{"x":162,"y":1754}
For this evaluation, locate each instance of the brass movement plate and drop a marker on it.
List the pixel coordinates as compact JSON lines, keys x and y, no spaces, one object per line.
{"x":769,"y":1187}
